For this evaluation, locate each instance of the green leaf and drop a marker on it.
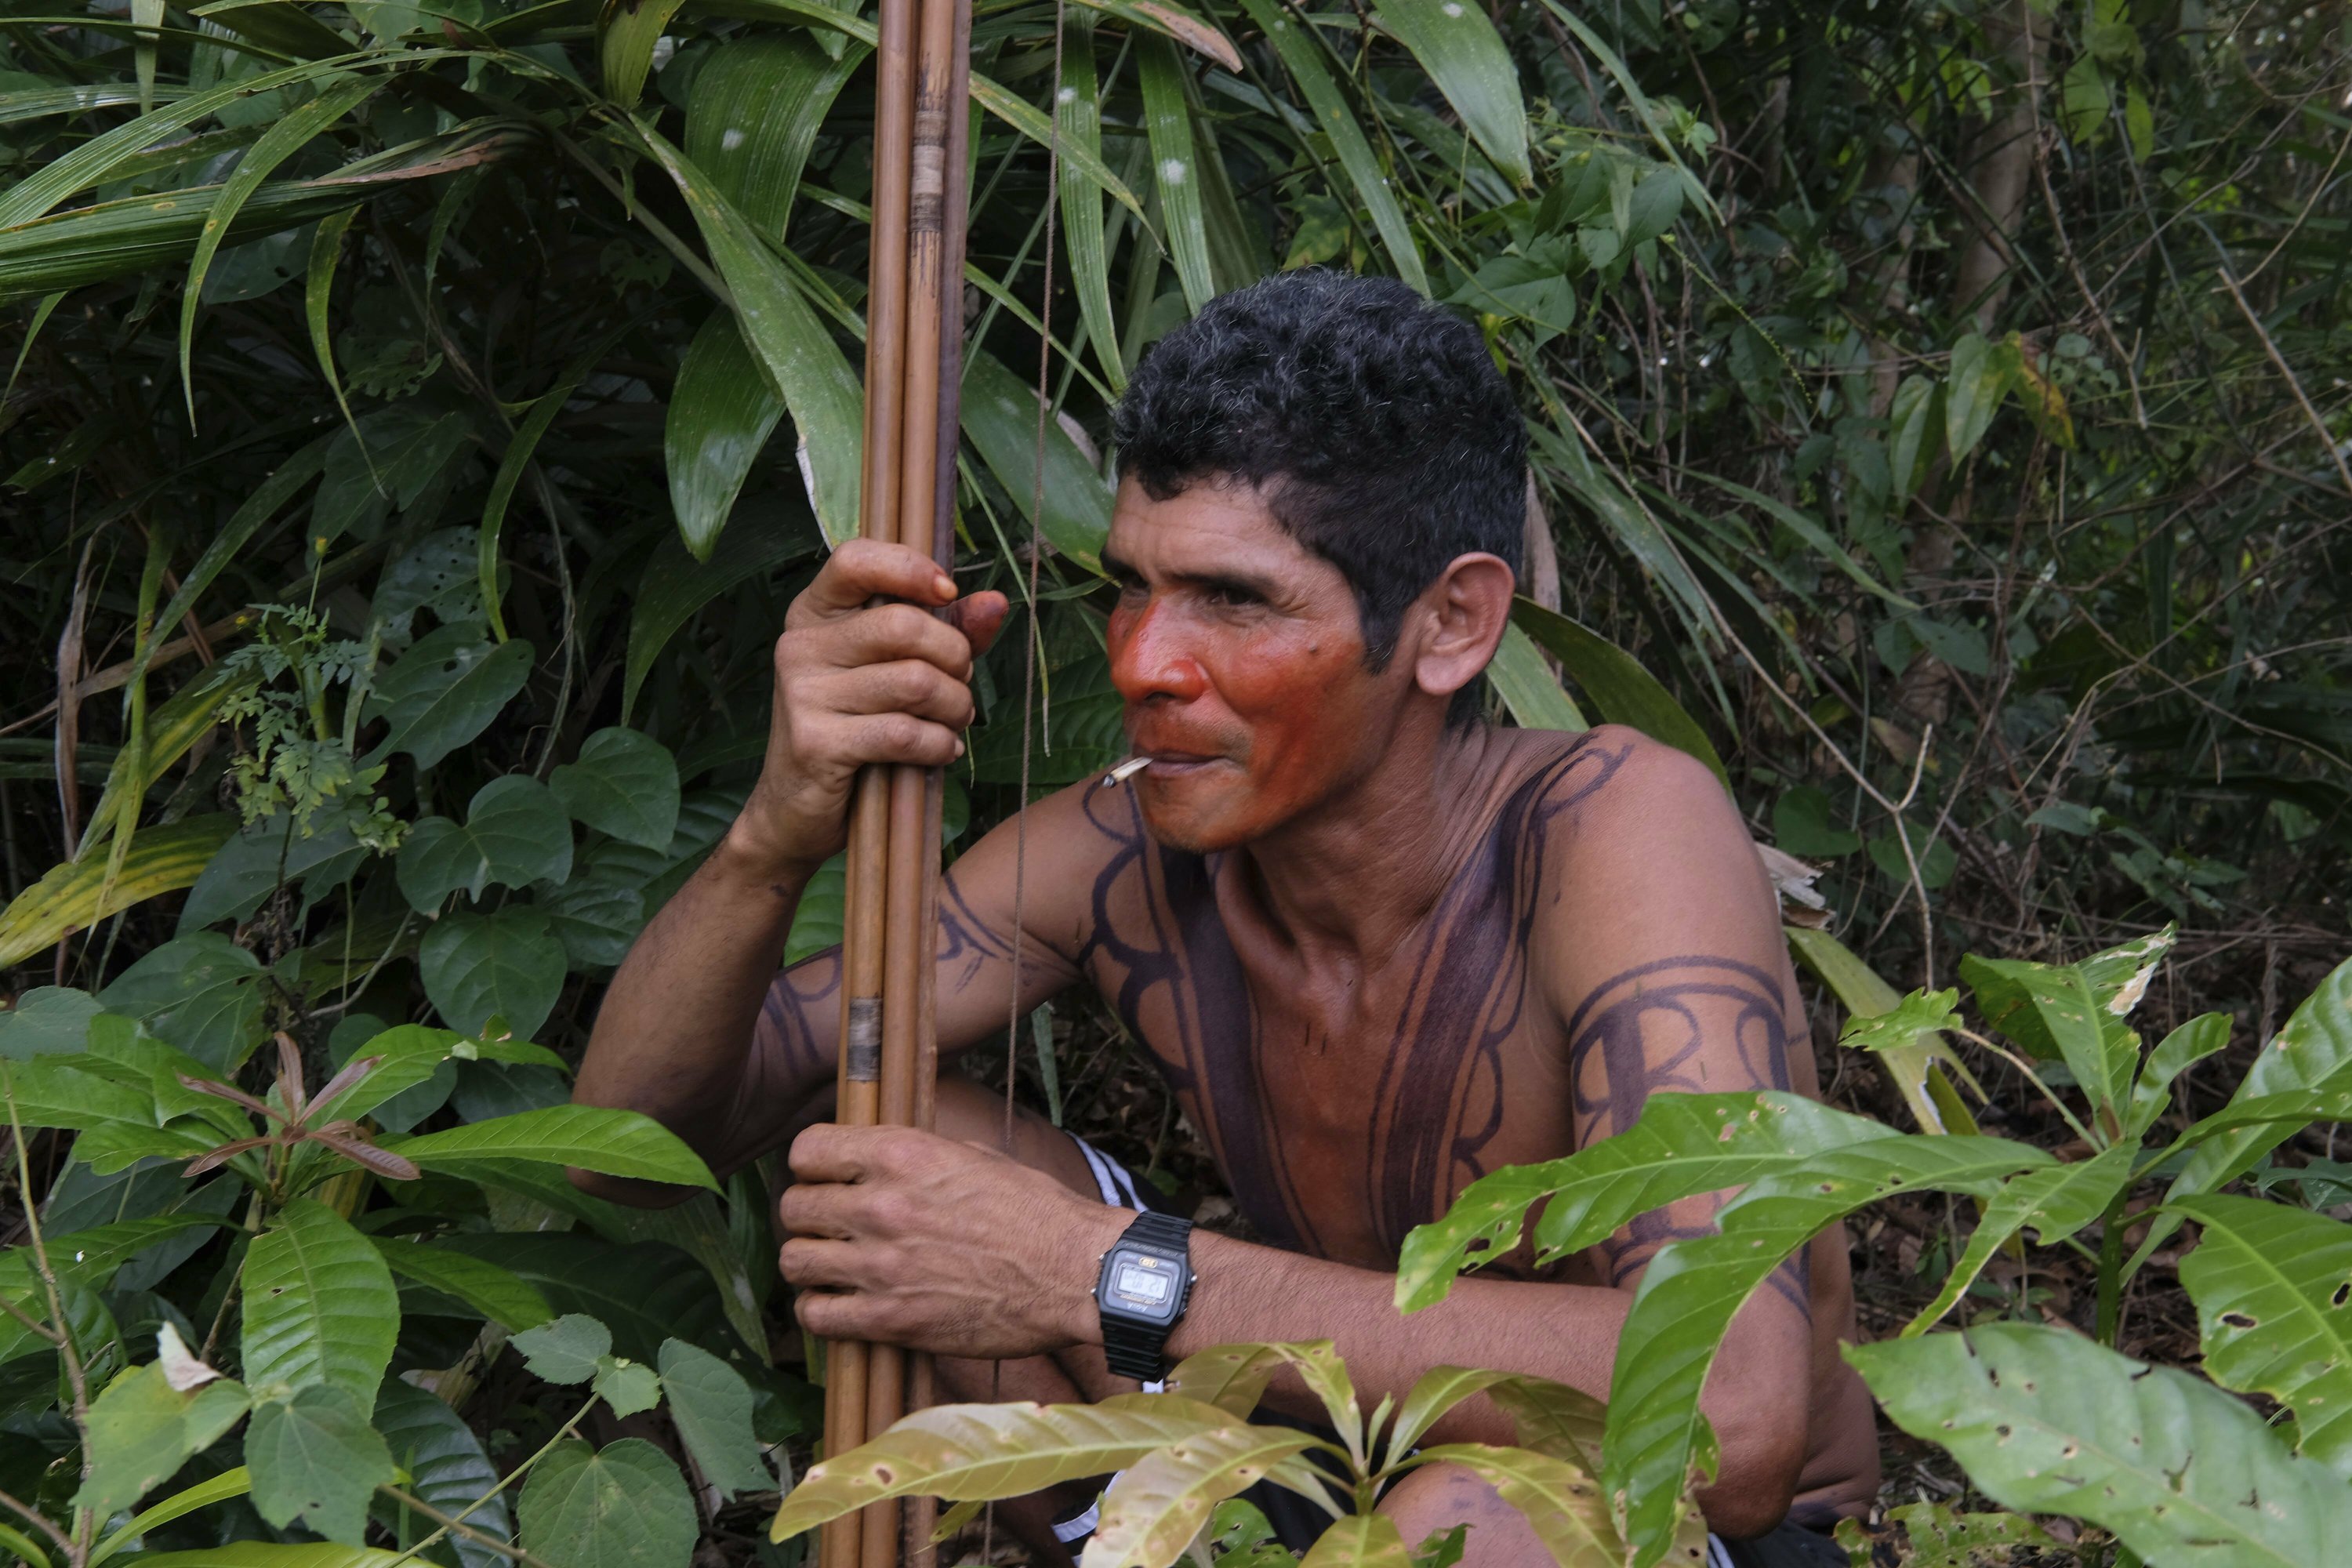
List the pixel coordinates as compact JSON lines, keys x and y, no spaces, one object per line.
{"x":2048,"y":1422}
{"x":628,"y":1386}
{"x":316,"y":1457}
{"x":2312,"y":1053}
{"x":1913,"y":418}
{"x":675,"y":585}
{"x":1559,"y":1501}
{"x":625,"y":36}
{"x":45,"y":1019}
{"x":1175,"y":168}
{"x":508,"y":964}
{"x":1692,"y":1288}
{"x":1980,"y":379}
{"x":1623,"y":691}
{"x":1304,"y":60}
{"x":1527,"y":687}
{"x":1681,"y":1145}
{"x":1433,"y":1395}
{"x":1807,"y":528}
{"x":623,"y":782}
{"x":752,"y":113}
{"x":1463,"y":55}
{"x":1801,"y":825}
{"x":1358,"y":1541}
{"x":958,"y":1451}
{"x":2056,"y":1201}
{"x":622,"y":1507}
{"x":445,"y":691}
{"x":2273,"y":1291}
{"x":711,"y":1406}
{"x":495,"y":1292}
{"x":1159,"y":1503}
{"x":2192,"y":1043}
{"x":264,"y":855}
{"x":269,"y":1554}
{"x":229,"y":1483}
{"x":1936,"y":1537}
{"x":319,"y":1306}
{"x":447,"y":1469}
{"x":568,"y":1350}
{"x":1023,"y":117}
{"x":1000,"y":415}
{"x":202,"y":992}
{"x":644,"y":1292}
{"x":803,"y":361}
{"x":141,"y":1430}
{"x":515,"y":833}
{"x":1553,"y":1418}
{"x":721,"y":412}
{"x":77,"y":893}
{"x":520,"y":447}
{"x":591,"y":1137}
{"x":1915,"y":1014}
{"x":1917,"y":1077}
{"x":1078,"y":116}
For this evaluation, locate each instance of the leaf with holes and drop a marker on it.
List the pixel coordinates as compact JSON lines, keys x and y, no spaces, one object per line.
{"x":1159,"y":1503}
{"x":141,"y":1430}
{"x":444,"y":691}
{"x":315,"y":1457}
{"x":319,"y":1306}
{"x":2273,"y":1291}
{"x":2047,"y":1421}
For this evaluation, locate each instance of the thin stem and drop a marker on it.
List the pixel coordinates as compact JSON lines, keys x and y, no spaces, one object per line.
{"x":53,"y":1533}
{"x":479,"y":1538}
{"x":2035,"y":1079}
{"x":83,"y":1523}
{"x":508,"y":1479}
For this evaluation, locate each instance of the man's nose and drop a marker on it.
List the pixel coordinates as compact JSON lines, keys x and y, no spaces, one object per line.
{"x":1152,"y":658}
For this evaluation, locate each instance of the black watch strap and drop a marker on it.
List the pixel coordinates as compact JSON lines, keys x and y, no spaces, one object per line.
{"x":1133,"y":1350}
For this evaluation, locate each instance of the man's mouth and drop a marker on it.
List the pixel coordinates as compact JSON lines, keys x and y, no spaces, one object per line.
{"x":1168,"y":766}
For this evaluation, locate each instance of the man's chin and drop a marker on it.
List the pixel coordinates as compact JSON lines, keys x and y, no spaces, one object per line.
{"x":1189,"y":831}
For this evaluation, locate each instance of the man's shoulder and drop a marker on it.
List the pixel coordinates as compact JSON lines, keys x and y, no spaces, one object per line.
{"x":1615,"y":776}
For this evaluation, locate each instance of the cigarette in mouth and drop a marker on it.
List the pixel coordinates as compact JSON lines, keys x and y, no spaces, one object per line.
{"x":1124,"y":770}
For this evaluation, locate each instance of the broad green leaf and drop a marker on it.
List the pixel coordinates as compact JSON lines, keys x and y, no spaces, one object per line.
{"x":593,"y":1137}
{"x":163,"y":859}
{"x":58,"y":1091}
{"x":406,"y":1056}
{"x":625,"y":1505}
{"x":1623,"y":691}
{"x":625,"y":35}
{"x":444,"y":691}
{"x":317,"y":1458}
{"x":229,"y":1483}
{"x":1231,"y":1377}
{"x":742,"y":1270}
{"x":644,"y":1293}
{"x":1917,"y":1014}
{"x":2102,"y":1057}
{"x":2048,"y":1422}
{"x":2311,"y":1052}
{"x":623,"y":782}
{"x":508,"y":964}
{"x":1159,"y":1503}
{"x":1359,"y":1541}
{"x":2271,"y":1285}
{"x":1681,"y":1145}
{"x":2056,"y":1201}
{"x":495,"y":1292}
{"x":566,"y":1350}
{"x":269,"y":1554}
{"x":447,"y":1470}
{"x":1433,"y":1395}
{"x":958,"y":1451}
{"x":1561,"y":1502}
{"x":1529,"y":687}
{"x":628,"y":1386}
{"x":752,"y":113}
{"x":141,"y":1430}
{"x":283,"y":139}
{"x":1000,"y":415}
{"x":319,"y":1306}
{"x":262,"y":856}
{"x":1917,"y":1077}
{"x":1979,"y":380}
{"x":515,"y":833}
{"x":1912,"y":416}
{"x":1553,"y":1418}
{"x":2192,"y":1043}
{"x":675,"y":585}
{"x":45,"y":1019}
{"x":1304,"y":60}
{"x":711,"y":1405}
{"x":805,"y":364}
{"x":1692,"y":1290}
{"x":1175,"y":167}
{"x":1463,"y":55}
{"x":202,"y":993}
{"x":721,"y":412}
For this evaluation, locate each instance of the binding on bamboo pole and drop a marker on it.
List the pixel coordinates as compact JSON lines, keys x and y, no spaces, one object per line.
{"x":913,"y":366}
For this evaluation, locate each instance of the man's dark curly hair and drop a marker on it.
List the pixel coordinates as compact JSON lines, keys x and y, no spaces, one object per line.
{"x":1377,"y":428}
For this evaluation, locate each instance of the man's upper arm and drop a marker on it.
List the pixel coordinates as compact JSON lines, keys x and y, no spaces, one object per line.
{"x":1668,"y":963}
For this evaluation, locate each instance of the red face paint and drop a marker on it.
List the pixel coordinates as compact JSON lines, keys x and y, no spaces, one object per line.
{"x":1241,"y":659}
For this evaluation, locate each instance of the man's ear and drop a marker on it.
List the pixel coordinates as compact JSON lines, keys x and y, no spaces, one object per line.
{"x":1462,"y":616}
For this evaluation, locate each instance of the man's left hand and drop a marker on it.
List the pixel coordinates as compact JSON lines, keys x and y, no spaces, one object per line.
{"x":901,"y":1236}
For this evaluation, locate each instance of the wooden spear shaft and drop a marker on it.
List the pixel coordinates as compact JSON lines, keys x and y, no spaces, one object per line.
{"x":913,"y":367}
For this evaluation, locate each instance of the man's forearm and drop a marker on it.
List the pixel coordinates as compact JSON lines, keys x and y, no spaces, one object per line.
{"x":674,"y":1036}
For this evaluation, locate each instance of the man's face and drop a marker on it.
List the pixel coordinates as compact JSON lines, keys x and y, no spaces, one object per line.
{"x":1241,"y":659}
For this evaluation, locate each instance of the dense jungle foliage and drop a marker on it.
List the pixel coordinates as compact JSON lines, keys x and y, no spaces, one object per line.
{"x":419,"y":414}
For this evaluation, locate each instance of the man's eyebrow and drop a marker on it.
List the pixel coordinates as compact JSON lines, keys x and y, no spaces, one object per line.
{"x":1241,"y":583}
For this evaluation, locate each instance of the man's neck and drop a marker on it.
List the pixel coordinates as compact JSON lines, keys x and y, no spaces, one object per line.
{"x":1355,"y":879}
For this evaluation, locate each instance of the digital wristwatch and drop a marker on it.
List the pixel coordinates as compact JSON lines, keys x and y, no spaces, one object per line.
{"x":1142,"y":1293}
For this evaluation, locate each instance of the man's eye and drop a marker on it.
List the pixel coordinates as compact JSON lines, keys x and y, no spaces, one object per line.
{"x":1232,"y":593}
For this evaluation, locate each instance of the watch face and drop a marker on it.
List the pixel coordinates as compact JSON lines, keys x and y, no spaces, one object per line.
{"x":1138,"y":1283}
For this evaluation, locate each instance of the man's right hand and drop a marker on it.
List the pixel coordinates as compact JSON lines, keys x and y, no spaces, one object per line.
{"x":860,"y":682}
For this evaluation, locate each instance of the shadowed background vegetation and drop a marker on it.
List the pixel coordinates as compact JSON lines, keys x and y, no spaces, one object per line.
{"x":419,"y":416}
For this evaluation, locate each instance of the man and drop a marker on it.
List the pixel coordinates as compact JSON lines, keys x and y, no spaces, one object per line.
{"x":1377,"y":947}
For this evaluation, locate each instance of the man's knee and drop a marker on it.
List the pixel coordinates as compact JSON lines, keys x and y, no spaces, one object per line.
{"x":1436,"y":1497}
